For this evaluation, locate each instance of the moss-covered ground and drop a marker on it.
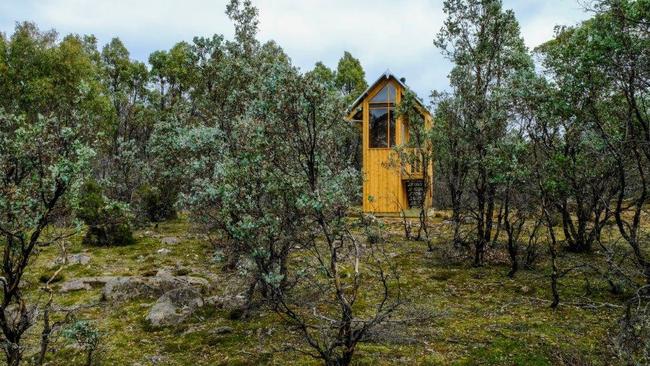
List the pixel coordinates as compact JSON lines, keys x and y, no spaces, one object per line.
{"x":473,"y":315}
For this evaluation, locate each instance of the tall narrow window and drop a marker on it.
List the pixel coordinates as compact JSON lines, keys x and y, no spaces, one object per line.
{"x":382,"y":119}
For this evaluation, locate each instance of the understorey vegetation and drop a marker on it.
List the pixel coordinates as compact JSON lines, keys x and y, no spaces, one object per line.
{"x":203,"y":207}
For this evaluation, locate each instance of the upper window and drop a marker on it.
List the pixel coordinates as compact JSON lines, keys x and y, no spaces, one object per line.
{"x":382,"y":118}
{"x":385,"y":95}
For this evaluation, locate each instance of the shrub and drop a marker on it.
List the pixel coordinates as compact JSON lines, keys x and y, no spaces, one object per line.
{"x":374,"y":235}
{"x":373,"y":228}
{"x":91,"y":203}
{"x":108,"y":223}
{"x":86,"y":336}
{"x":155,"y":205}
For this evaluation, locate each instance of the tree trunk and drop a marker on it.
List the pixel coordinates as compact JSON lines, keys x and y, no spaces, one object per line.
{"x":45,"y":337}
{"x":479,"y":252}
{"x":89,"y":358}
{"x":14,"y":356}
{"x":554,"y":271}
{"x":512,"y":251}
{"x":554,"y":278}
{"x":499,"y":222}
{"x":455,"y":219}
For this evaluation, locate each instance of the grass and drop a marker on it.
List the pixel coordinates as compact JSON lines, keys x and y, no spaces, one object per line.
{"x":477,"y":316}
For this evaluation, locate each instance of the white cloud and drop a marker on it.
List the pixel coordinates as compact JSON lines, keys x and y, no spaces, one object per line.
{"x":382,"y":34}
{"x":539,"y":18}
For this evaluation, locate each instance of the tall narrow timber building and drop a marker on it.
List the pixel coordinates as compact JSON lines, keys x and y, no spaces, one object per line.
{"x":388,"y":188}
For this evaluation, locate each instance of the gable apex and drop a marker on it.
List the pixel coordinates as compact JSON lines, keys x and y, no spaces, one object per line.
{"x":387,"y":75}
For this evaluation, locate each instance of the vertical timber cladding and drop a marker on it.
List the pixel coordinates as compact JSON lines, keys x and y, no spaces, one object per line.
{"x":386,"y":187}
{"x":382,"y":183}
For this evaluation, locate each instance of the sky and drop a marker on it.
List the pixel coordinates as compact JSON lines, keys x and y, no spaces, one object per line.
{"x":382,"y":34}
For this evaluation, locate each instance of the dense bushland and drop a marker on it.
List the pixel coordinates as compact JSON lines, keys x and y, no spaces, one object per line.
{"x":538,"y":152}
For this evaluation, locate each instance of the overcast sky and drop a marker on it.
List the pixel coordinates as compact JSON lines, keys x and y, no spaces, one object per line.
{"x":383,"y":34}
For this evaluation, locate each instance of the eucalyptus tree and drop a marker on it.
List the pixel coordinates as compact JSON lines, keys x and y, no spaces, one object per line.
{"x":41,"y":161}
{"x":324,"y":74}
{"x":286,"y":189}
{"x":350,"y":77}
{"x":201,"y":90}
{"x":617,"y":50}
{"x":279,"y":184}
{"x":451,"y":157}
{"x":483,"y":41}
{"x":516,"y":192}
{"x":122,"y":163}
{"x":416,"y":154}
{"x":350,"y":80}
{"x":173,"y":73}
{"x":335,"y":272}
{"x":579,"y":163}
{"x":611,"y":55}
{"x":46,"y":127}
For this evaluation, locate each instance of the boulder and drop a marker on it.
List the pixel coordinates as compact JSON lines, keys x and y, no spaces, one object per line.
{"x":84,"y":283}
{"x":174,"y":307}
{"x":74,"y":285}
{"x":127,"y":288}
{"x":163,"y":251}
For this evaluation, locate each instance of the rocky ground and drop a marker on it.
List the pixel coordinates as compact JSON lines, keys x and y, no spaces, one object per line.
{"x":166,"y":300}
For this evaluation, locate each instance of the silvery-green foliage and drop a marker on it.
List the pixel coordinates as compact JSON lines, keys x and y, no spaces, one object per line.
{"x":50,"y":112}
{"x":128,"y":170}
{"x":180,"y":154}
{"x":483,"y":40}
{"x":40,"y":159}
{"x":86,"y":336}
{"x":282,"y":168}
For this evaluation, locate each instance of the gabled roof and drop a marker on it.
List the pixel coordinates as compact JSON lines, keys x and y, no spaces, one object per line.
{"x":387,"y":75}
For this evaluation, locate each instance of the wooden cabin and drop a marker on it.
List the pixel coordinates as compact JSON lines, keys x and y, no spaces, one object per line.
{"x":388,"y":188}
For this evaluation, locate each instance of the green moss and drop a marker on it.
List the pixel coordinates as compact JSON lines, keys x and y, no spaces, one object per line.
{"x":468,"y":315}
{"x":506,"y":351}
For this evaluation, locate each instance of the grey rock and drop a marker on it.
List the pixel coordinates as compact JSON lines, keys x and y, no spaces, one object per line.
{"x":72,"y":259}
{"x":163,"y":251}
{"x":127,"y":288}
{"x":74,"y":285}
{"x":165,"y":272}
{"x":174,"y":307}
{"x":170,"y":240}
{"x":84,"y":283}
{"x":79,"y":258}
{"x":156,"y":359}
{"x":226,"y":301}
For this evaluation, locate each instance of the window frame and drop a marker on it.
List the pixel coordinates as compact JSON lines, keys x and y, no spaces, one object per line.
{"x":390,"y":108}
